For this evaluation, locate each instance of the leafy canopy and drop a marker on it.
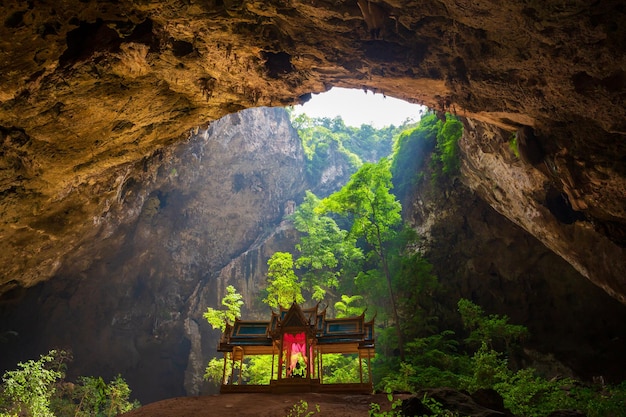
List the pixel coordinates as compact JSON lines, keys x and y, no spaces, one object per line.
{"x":233,"y":302}
{"x":434,"y":141}
{"x":283,"y":285}
{"x":349,"y":306}
{"x":325,"y":140}
{"x":374,"y":215}
{"x":326,"y":252}
{"x":367,"y":199}
{"x":97,"y":398}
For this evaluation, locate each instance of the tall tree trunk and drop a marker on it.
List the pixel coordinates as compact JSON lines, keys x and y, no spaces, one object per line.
{"x":394,"y":308}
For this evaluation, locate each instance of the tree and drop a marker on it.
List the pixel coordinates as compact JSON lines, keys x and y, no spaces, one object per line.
{"x":416,"y":286}
{"x":283,"y":285}
{"x":219,"y":318}
{"x":375,"y":216}
{"x":326,"y":252}
{"x":326,"y":140}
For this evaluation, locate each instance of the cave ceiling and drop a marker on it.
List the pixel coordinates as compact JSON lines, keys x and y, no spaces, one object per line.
{"x":91,"y":90}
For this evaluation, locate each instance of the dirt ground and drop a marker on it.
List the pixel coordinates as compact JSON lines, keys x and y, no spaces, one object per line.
{"x":262,"y":405}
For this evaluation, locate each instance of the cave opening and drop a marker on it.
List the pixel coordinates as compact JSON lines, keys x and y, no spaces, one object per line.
{"x":359,"y":107}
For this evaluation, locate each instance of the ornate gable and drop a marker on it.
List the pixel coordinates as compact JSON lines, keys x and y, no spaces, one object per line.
{"x":295,"y":317}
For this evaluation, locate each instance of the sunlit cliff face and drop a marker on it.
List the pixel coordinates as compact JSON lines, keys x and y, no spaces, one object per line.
{"x":91,"y":91}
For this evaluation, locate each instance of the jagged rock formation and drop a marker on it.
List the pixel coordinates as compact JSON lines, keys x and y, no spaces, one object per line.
{"x":481,"y":256}
{"x":90,"y":88}
{"x":247,"y":272}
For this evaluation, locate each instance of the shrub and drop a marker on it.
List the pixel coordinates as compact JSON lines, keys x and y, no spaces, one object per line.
{"x":27,"y":391}
{"x":96,"y":398}
{"x":37,"y":389}
{"x":513,"y":146}
{"x":528,"y":394}
{"x":488,"y":329}
{"x":448,"y":145}
{"x":301,"y":409}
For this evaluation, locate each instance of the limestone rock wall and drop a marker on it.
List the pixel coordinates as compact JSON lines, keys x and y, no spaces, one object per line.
{"x":539,"y":197}
{"x":88,"y":88}
{"x":575,"y":328}
{"x":131,"y":300}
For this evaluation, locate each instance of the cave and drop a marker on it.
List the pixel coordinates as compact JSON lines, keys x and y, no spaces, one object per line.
{"x":106,"y":110}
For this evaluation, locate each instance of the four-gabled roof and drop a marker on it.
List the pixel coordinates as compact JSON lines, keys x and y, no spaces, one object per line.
{"x":258,"y":337}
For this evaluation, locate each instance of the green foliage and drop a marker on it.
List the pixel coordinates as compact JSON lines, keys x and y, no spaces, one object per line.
{"x":27,"y":391}
{"x":367,"y":199}
{"x":301,"y":409}
{"x":95,"y":398}
{"x":376,"y":410}
{"x":340,"y":368}
{"x":375,"y":217}
{"x":371,"y":283}
{"x":119,"y":394}
{"x":528,"y":394}
{"x":513,"y":146}
{"x":400,"y":380}
{"x":91,"y":393}
{"x":436,"y":408}
{"x":417,"y":287}
{"x":488,"y":368}
{"x":524,"y":391}
{"x":447,"y":145}
{"x":255,"y":370}
{"x":364,"y":218}
{"x":349,"y":306}
{"x":214,"y":370}
{"x":259,"y":369}
{"x":37,"y":389}
{"x":432,"y":138}
{"x":233,"y":302}
{"x":326,"y":251}
{"x":488,"y":329}
{"x":432,"y":361}
{"x":325,"y":140}
{"x":283,"y":287}
{"x":322,"y":140}
{"x":602,"y":401}
{"x":437,"y":360}
{"x":410,"y":151}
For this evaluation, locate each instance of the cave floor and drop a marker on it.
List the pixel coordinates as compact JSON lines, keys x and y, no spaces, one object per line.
{"x":262,"y":405}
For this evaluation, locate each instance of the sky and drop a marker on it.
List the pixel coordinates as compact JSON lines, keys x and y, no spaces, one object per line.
{"x":357,"y":107}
